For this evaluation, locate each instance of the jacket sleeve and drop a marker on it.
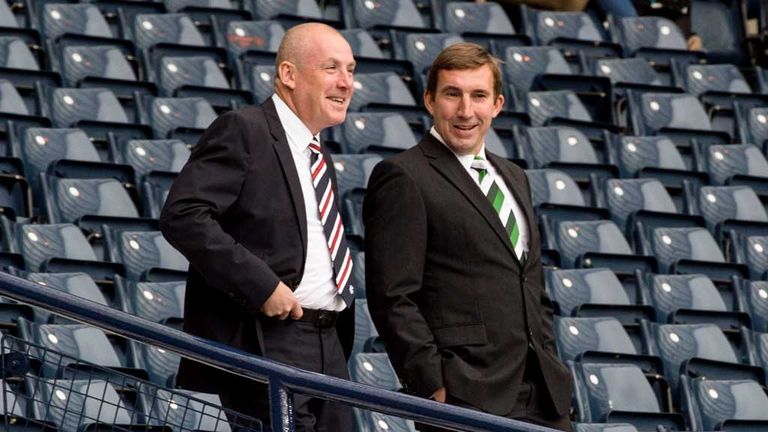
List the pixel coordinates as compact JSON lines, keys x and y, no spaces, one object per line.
{"x":208,"y":185}
{"x":395,"y":244}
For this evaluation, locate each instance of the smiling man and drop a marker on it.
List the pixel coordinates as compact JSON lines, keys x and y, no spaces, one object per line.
{"x":454,"y":279}
{"x":254,"y":211}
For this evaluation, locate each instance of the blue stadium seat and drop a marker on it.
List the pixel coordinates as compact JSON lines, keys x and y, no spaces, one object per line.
{"x":376,"y":370}
{"x":399,"y":13}
{"x":154,"y":191}
{"x":577,"y":336}
{"x":146,"y":156}
{"x":39,"y":243}
{"x":382,"y":133}
{"x":188,"y":410}
{"x":751,"y":250}
{"x":595,"y":292}
{"x":69,"y":106}
{"x":556,"y":196}
{"x":79,"y":62}
{"x":753,"y":125}
{"x":485,"y":23}
{"x":545,"y":106}
{"x":277,"y":9}
{"x":142,"y":252}
{"x":694,"y":298}
{"x":81,"y":19}
{"x":78,"y":284}
{"x":591,"y":243}
{"x":632,"y":200}
{"x":362,"y":43}
{"x":546,"y":146}
{"x":733,"y":405}
{"x":621,"y":393}
{"x":381,"y":88}
{"x":651,"y":113}
{"x":352,"y":172}
{"x":728,"y":208}
{"x":730,"y":164}
{"x":80,"y":404}
{"x":244,"y":36}
{"x":725,"y":78}
{"x":161,"y":365}
{"x":168,"y":115}
{"x":152,"y":29}
{"x":16,"y":54}
{"x":630,"y":71}
{"x":81,"y":343}
{"x":259,"y":80}
{"x":366,"y":336}
{"x":421,"y":48}
{"x":69,"y":199}
{"x":636,"y":154}
{"x":677,"y":249}
{"x":523,"y":65}
{"x":693,"y":349}
{"x":546,"y":27}
{"x":176,"y":72}
{"x":11,"y":101}
{"x":720,"y":25}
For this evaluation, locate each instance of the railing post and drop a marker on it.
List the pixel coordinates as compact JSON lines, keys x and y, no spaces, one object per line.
{"x":281,"y":405}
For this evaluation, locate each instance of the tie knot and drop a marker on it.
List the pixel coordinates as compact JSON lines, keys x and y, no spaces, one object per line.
{"x":314,"y":147}
{"x":479,"y":163}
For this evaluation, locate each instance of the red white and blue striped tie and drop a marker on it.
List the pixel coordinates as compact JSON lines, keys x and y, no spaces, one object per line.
{"x":333,"y":227}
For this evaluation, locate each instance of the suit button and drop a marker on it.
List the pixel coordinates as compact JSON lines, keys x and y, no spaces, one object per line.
{"x":525,"y":278}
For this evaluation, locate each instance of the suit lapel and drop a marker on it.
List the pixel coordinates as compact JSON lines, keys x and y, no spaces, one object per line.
{"x":283,"y":151}
{"x":449,"y":167}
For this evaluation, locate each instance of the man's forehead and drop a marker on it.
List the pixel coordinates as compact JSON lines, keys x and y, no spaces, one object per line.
{"x":475,"y":79}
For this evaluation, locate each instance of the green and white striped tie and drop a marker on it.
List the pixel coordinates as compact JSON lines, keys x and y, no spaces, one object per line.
{"x":500,"y":203}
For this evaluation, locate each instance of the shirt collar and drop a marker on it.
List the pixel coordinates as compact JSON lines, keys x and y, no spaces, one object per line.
{"x":296,"y":131}
{"x":464,"y":160}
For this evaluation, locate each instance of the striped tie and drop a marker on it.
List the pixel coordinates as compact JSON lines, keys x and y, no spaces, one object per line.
{"x":332,"y":225}
{"x":503,"y":207}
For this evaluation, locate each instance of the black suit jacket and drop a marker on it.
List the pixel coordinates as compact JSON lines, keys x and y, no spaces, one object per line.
{"x":446,"y":291}
{"x":236,"y":211}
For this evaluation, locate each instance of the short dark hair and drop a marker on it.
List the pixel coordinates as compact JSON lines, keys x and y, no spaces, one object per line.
{"x":463,"y":56}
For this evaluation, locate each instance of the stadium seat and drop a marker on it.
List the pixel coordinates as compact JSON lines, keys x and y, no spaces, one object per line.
{"x":375,"y":370}
{"x":720,"y":25}
{"x":751,"y":250}
{"x":178,"y":28}
{"x":277,"y":9}
{"x":732,"y":405}
{"x":81,"y":19}
{"x":75,"y":343}
{"x":595,"y":292}
{"x":362,"y":43}
{"x":109,"y":63}
{"x":728,"y":208}
{"x":486,"y":24}
{"x":577,"y":336}
{"x":697,"y":349}
{"x":631,"y":199}
{"x":421,"y":48}
{"x":16,"y":54}
{"x":366,"y":336}
{"x":142,"y":252}
{"x":154,"y":191}
{"x":722,"y":78}
{"x":186,"y":410}
{"x":592,"y":243}
{"x":161,"y":365}
{"x":382,"y":133}
{"x":177,"y":117}
{"x":734,"y":163}
{"x":78,"y":284}
{"x":546,"y":27}
{"x":690,"y":250}
{"x":523,"y":65}
{"x":621,"y":393}
{"x":400,"y":13}
{"x":695,"y":299}
{"x":81,"y":403}
{"x":352,"y":172}
{"x":11,"y":101}
{"x":548,"y":107}
{"x":244,"y":36}
{"x":69,"y":199}
{"x":382,"y":88}
{"x":557,"y":197}
{"x":40,"y":243}
{"x":69,"y":106}
{"x":753,"y":126}
{"x":651,"y":113}
{"x":656,"y":39}
{"x":146,"y":156}
{"x":627,"y":72}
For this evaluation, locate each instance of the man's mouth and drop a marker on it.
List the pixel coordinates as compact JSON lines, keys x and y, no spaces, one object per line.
{"x":337,"y":100}
{"x":465,"y":127}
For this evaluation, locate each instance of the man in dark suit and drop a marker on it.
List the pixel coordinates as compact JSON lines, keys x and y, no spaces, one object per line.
{"x":254,"y":211}
{"x":454,"y":278}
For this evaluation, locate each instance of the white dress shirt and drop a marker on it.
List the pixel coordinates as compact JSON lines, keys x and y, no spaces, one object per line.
{"x":317,"y":289}
{"x":466,"y":162}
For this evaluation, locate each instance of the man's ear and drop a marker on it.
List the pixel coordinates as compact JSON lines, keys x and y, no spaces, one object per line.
{"x":286,"y":74}
{"x":498,"y":105}
{"x":429,"y":102}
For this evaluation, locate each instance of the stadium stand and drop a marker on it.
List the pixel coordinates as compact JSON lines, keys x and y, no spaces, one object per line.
{"x":648,"y":165}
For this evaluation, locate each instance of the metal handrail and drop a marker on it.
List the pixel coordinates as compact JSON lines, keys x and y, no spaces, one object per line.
{"x":283,"y":380}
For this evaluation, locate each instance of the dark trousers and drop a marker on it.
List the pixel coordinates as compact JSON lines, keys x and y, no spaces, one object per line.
{"x":532,"y":404}
{"x":303,"y":345}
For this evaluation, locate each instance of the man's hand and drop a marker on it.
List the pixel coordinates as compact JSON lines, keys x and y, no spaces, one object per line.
{"x":439,"y":395}
{"x":282,"y":303}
